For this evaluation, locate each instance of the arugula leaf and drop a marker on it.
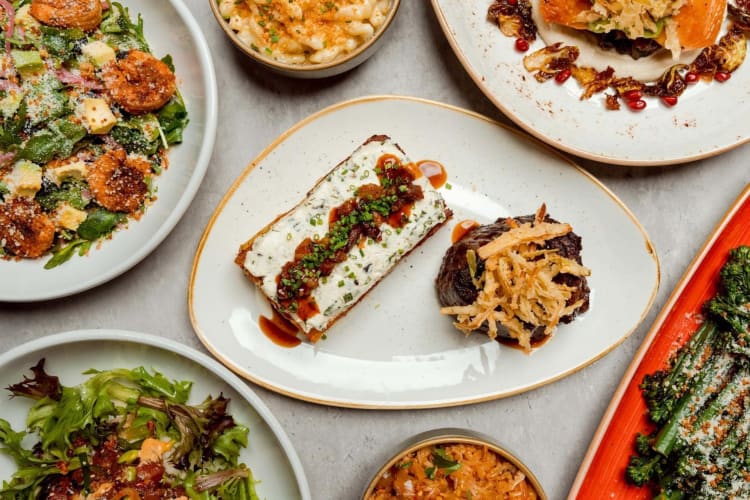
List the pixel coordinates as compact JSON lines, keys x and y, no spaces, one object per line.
{"x":229,"y":443}
{"x":62,"y":42}
{"x":99,"y":222}
{"x":11,"y":130}
{"x":64,"y":254}
{"x":430,"y":472}
{"x":3,"y":190}
{"x":70,"y":191}
{"x":139,"y":134}
{"x":57,"y":140}
{"x":10,"y":443}
{"x":46,"y":100}
{"x":122,"y":31}
{"x":168,"y":61}
{"x":173,"y":118}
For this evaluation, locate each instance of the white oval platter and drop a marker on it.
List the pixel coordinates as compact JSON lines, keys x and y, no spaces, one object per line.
{"x":394,"y":350}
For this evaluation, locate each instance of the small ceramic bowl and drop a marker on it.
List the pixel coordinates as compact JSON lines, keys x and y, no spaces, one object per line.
{"x":311,"y":70}
{"x":441,"y":437}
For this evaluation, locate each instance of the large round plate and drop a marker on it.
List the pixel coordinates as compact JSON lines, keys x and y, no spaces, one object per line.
{"x":27,"y":280}
{"x":394,"y":350}
{"x":708,"y":120}
{"x":269,"y":453}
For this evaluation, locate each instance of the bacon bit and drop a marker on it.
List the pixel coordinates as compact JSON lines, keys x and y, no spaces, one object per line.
{"x":62,"y":467}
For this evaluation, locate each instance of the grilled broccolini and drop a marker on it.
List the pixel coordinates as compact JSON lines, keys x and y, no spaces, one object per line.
{"x":701,"y":403}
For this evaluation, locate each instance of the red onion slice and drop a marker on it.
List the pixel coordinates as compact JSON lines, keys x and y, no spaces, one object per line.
{"x":69,"y":78}
{"x":11,"y":12}
{"x":6,"y":158}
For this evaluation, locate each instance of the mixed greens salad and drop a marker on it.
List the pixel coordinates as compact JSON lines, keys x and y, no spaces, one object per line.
{"x":701,"y":403}
{"x":86,"y":116}
{"x":124,"y":434}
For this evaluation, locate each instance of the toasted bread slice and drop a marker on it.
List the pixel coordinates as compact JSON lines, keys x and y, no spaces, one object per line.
{"x":300,"y":261}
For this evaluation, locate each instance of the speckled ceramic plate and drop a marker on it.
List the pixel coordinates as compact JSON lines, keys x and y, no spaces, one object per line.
{"x":394,"y":349}
{"x":709,"y":118}
{"x":269,"y":454}
{"x":27,"y":280}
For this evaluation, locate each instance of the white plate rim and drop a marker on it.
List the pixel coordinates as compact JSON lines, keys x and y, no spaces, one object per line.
{"x":479,"y":81}
{"x":201,"y":165}
{"x":342,"y":403}
{"x":146,"y":339}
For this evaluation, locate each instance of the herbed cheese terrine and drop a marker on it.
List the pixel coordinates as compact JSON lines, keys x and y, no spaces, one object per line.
{"x":319,"y":259}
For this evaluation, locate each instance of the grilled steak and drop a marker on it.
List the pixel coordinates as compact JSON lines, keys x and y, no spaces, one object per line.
{"x":455,"y":287}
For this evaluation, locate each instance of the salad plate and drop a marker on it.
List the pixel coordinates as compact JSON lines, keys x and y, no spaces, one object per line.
{"x":269,"y":454}
{"x":602,"y":473}
{"x":394,"y":349}
{"x":28,"y":280}
{"x":697,"y":127}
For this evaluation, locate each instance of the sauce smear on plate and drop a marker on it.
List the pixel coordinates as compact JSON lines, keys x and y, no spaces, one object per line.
{"x":279,"y":330}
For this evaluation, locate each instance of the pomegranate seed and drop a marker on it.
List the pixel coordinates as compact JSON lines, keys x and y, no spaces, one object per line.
{"x":691,"y":77}
{"x":722,"y":76}
{"x":562,"y":76}
{"x":633,"y":95}
{"x":522,"y":45}
{"x":512,"y":2}
{"x":669,"y":100}
{"x":637,"y":104}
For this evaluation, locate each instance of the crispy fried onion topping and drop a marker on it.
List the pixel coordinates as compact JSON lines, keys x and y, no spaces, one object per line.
{"x":517,"y":287}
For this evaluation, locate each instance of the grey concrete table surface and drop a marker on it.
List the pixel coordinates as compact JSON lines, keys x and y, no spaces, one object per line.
{"x":550,"y":427}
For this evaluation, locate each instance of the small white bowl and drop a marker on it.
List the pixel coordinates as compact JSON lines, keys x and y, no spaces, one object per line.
{"x":311,"y":70}
{"x":439,"y":437}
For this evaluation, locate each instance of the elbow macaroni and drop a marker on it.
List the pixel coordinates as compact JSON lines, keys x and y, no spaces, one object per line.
{"x":304,"y":31}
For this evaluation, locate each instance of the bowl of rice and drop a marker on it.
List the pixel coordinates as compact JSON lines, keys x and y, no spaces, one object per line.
{"x":454,"y":463}
{"x":306,"y":38}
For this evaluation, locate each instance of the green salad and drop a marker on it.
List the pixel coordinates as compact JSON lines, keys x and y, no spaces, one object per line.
{"x":123,"y":434}
{"x":87,"y":114}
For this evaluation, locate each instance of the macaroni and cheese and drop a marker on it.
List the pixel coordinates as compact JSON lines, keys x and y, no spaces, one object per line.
{"x":304,"y":31}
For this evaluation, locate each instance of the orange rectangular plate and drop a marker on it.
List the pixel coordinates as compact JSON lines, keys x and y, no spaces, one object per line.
{"x":602,"y":473}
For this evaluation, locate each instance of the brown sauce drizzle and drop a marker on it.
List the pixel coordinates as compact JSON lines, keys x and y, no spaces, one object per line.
{"x":433,"y":170}
{"x":279,"y":330}
{"x":462,"y":229}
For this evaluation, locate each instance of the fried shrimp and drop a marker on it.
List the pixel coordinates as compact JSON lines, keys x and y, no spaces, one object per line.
{"x":139,"y":82}
{"x":25,"y":230}
{"x":84,"y":14}
{"x":118,"y":181}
